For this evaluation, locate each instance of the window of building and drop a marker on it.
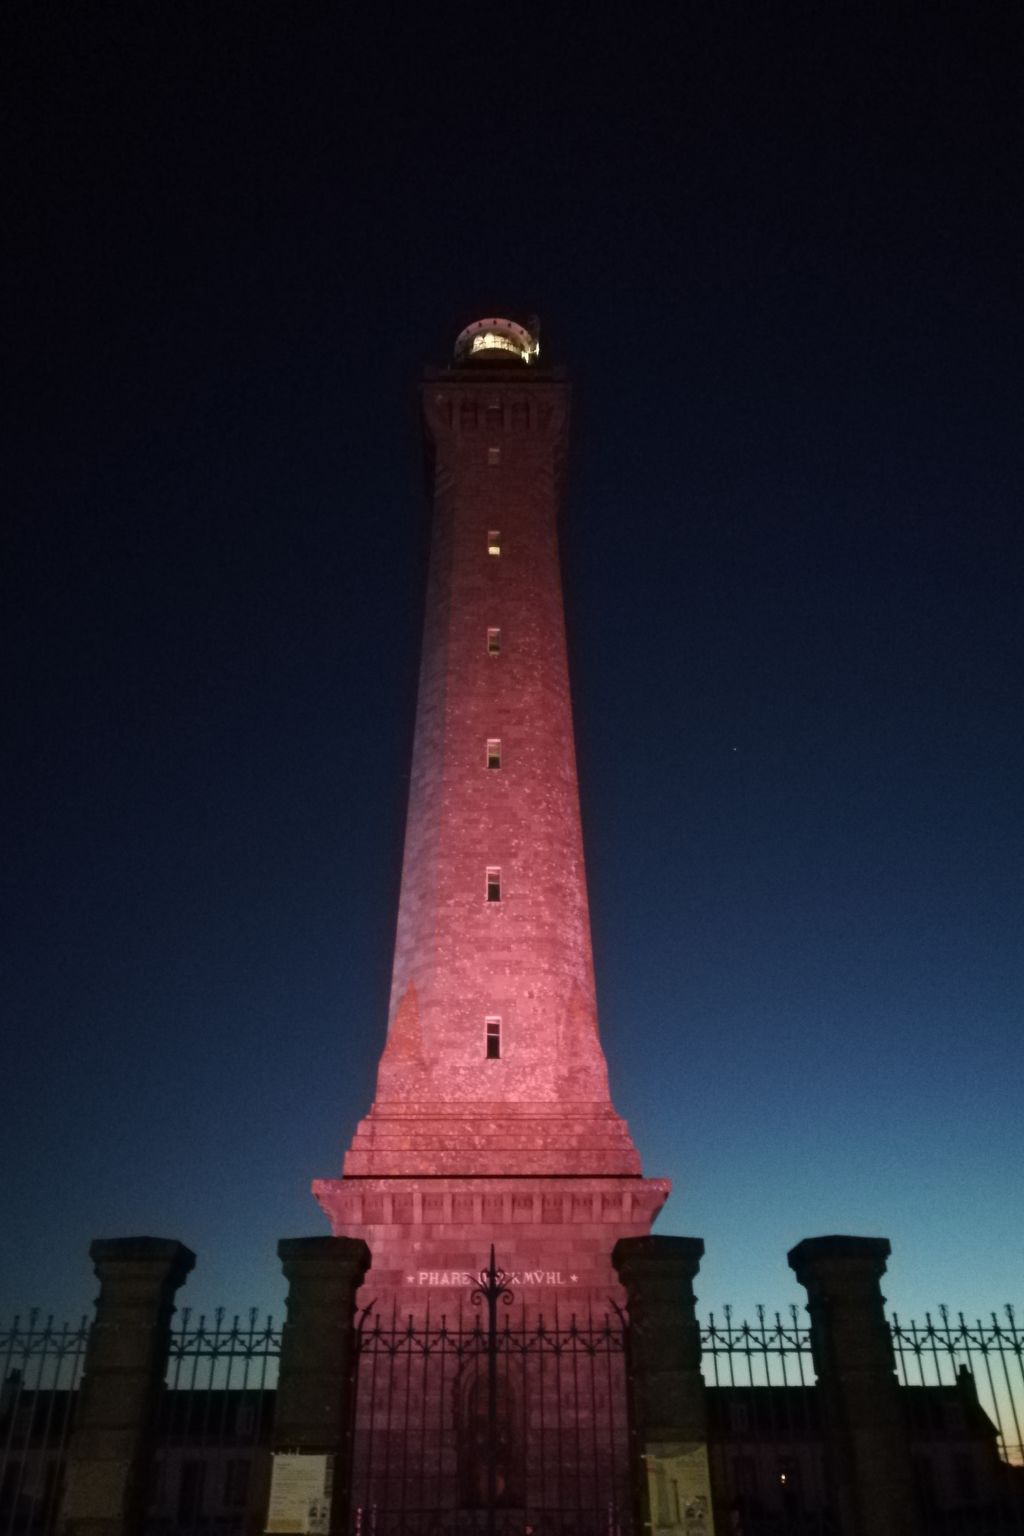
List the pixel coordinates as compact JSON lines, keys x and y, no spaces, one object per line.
{"x":494,"y":455}
{"x":495,"y":421}
{"x":789,"y":1485}
{"x":494,"y":542}
{"x":493,"y":1037}
{"x":494,"y":753}
{"x":494,"y":885}
{"x":494,"y":642}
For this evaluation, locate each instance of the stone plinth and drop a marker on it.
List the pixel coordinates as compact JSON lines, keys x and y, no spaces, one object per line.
{"x":554,"y":1236}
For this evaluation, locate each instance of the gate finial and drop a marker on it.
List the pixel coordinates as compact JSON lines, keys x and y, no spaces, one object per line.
{"x":492,"y":1288}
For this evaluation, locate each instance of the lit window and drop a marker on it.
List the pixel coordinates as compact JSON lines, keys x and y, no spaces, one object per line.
{"x":494,"y":542}
{"x":789,"y":1484}
{"x":494,"y":642}
{"x":494,"y":885}
{"x":494,"y":456}
{"x":494,"y":754}
{"x":493,"y":1039}
{"x":489,"y":340}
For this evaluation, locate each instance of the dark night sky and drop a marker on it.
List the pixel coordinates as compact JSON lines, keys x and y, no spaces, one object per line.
{"x":779,"y":248}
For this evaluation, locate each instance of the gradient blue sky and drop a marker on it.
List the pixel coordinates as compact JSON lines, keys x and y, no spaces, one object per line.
{"x":780,"y":254}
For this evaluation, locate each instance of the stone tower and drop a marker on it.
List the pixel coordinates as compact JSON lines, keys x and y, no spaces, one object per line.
{"x":492,"y":1121}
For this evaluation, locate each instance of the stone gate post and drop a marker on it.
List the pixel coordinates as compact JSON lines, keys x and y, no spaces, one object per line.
{"x":111,"y":1445}
{"x":311,"y":1417}
{"x":669,"y":1412}
{"x":866,"y":1446}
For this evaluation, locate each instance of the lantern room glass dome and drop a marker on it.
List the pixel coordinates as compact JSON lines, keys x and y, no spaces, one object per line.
{"x":496,"y":342}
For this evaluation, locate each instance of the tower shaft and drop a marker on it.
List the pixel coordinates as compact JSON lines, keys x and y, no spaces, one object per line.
{"x":492,"y":1107}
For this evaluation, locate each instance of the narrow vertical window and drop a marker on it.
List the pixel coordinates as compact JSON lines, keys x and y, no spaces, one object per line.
{"x":493,"y":1036}
{"x":494,"y":885}
{"x":494,"y":542}
{"x":494,"y":753}
{"x":494,"y":456}
{"x":494,"y":642}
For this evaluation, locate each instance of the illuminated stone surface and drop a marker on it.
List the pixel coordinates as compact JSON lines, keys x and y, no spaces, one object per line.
{"x":526,"y":1150}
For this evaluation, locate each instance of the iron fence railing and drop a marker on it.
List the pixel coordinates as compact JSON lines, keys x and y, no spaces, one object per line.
{"x":212,"y":1462}
{"x":563,"y":1384}
{"x":984,"y":1358}
{"x":41,"y":1365}
{"x":963,"y":1387}
{"x":963,"y":1395}
{"x":223,"y":1354}
{"x":764,"y":1435}
{"x":771,"y":1352}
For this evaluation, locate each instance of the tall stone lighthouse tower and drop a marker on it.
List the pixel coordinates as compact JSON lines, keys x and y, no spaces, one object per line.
{"x":493,"y":1121}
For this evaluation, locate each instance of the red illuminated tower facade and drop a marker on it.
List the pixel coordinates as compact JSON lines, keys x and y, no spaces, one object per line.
{"x":492,"y":1121}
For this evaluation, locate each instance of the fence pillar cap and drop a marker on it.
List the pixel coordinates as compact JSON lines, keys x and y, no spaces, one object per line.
{"x":339,"y":1250}
{"x":143,"y":1250}
{"x":840,"y":1248}
{"x":658,"y":1250}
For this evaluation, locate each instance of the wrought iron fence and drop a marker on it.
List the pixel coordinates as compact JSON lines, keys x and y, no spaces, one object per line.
{"x":41,"y":1363}
{"x":211,"y":1466}
{"x":964,"y":1391}
{"x":764,"y":1433}
{"x":963,"y":1394}
{"x":221,"y":1355}
{"x":491,"y":1419}
{"x":488,"y":1421}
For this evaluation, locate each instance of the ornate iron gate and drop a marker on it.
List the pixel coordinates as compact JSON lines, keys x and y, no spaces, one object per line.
{"x":490,"y":1422}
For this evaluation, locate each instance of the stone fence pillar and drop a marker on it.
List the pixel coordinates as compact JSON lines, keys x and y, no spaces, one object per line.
{"x":112,"y":1441}
{"x":311,"y":1416}
{"x":866,"y":1445}
{"x":668,"y":1405}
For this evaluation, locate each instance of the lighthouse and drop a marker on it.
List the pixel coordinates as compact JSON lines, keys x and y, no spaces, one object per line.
{"x":492,"y":1122}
